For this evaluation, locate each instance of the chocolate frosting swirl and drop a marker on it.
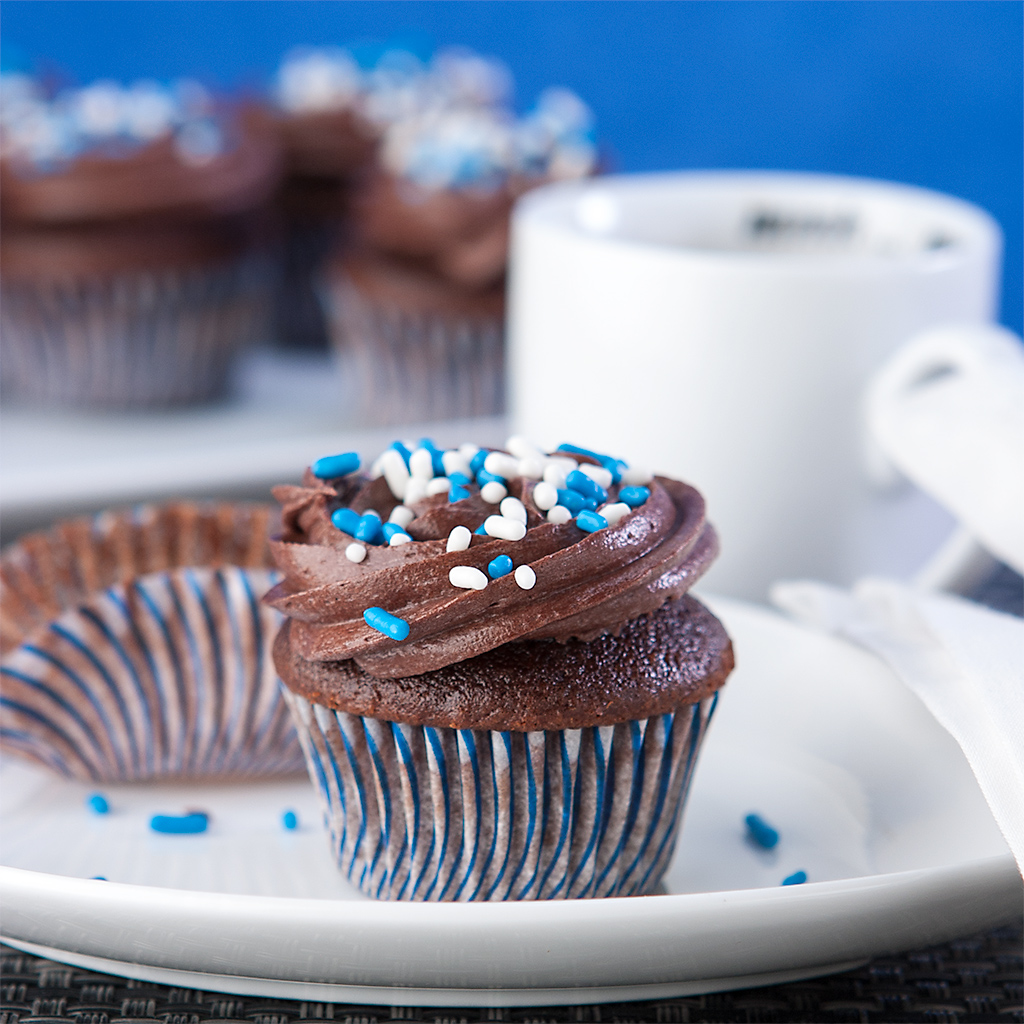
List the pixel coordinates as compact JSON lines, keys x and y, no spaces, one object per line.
{"x":459,"y":234}
{"x":151,"y":182}
{"x":587,"y":584}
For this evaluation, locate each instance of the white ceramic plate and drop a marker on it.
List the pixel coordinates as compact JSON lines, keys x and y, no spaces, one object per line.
{"x":871,"y":797}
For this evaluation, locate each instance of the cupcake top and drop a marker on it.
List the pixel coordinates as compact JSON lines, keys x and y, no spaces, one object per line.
{"x":451,"y":154}
{"x":108,"y":152}
{"x":449,"y":174}
{"x":317,"y":97}
{"x":435,"y":557}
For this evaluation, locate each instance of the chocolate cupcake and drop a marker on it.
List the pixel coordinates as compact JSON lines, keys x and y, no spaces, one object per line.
{"x":127,"y":266}
{"x":328,"y":144}
{"x":499,"y":679}
{"x":416,"y":304}
{"x":133,"y":646}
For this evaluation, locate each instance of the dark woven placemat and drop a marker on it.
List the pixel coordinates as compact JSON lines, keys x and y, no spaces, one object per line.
{"x":972,"y":980}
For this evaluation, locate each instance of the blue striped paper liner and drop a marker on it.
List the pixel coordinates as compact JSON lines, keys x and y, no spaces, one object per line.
{"x":167,"y":676}
{"x":424,"y":813}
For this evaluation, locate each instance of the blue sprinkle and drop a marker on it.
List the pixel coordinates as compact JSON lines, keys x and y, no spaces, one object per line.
{"x":483,"y":477}
{"x":347,"y":520}
{"x":583,"y":484}
{"x":97,"y":803}
{"x":290,"y":820}
{"x":572,"y":500}
{"x":589,"y":521}
{"x":614,"y":466}
{"x":477,"y":462}
{"x":459,"y":478}
{"x":634,"y":497}
{"x":761,"y":832}
{"x":179,"y":824}
{"x":573,"y":449}
{"x":457,"y":493}
{"x":330,"y":467}
{"x":369,"y":530}
{"x":480,"y":529}
{"x":797,"y":878}
{"x":389,"y":530}
{"x":498,"y":567}
{"x":386,"y":623}
{"x":590,"y":503}
{"x":402,"y":450}
{"x":436,"y":461}
{"x":99,"y":878}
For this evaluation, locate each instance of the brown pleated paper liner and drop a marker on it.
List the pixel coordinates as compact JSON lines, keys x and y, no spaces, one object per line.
{"x":135,"y":646}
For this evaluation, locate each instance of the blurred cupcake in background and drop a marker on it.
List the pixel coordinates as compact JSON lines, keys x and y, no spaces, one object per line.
{"x":128,"y":271}
{"x":416,"y":302}
{"x":328,"y":145}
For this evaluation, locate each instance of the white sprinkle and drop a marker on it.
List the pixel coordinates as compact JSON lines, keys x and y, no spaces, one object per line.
{"x":455,"y":462}
{"x":545,"y":495}
{"x":501,"y":464}
{"x":636,"y":476}
{"x":467,"y":451}
{"x":513,"y":508}
{"x":458,"y":539}
{"x":439,"y":485}
{"x":355,"y":552}
{"x":614,"y":511}
{"x":532,"y":467}
{"x":525,"y":577}
{"x":523,"y":448}
{"x":601,"y":476}
{"x":492,"y":492}
{"x":421,"y":464}
{"x":415,"y":489}
{"x":559,"y":514}
{"x":467,"y":577}
{"x":398,"y":538}
{"x":401,"y":515}
{"x":556,"y":471}
{"x":506,"y":529}
{"x":397,"y":476}
{"x":376,"y":470}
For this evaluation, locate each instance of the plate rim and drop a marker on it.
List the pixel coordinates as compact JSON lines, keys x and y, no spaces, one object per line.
{"x":414,"y":997}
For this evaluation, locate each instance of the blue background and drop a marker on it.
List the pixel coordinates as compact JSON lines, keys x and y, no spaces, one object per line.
{"x":923,"y":92}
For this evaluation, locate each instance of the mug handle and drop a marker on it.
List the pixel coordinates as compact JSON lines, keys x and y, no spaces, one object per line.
{"x":961,"y":564}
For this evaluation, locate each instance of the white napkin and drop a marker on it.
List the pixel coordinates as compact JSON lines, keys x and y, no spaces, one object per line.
{"x":948,"y":411}
{"x":965,"y":662}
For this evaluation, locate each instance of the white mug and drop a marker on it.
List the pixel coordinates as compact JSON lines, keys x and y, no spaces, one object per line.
{"x":721,"y":327}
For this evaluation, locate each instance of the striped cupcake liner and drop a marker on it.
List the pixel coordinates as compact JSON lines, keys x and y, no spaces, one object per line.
{"x":424,"y":813}
{"x":113,"y":675}
{"x":133,"y":340}
{"x":416,"y":366}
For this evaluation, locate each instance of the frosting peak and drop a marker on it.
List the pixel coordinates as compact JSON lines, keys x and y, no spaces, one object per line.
{"x":579,"y":585}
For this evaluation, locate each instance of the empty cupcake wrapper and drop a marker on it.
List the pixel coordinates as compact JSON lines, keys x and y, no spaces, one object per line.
{"x":424,"y":813}
{"x":133,"y":340}
{"x":416,"y":366}
{"x":111,"y":675}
